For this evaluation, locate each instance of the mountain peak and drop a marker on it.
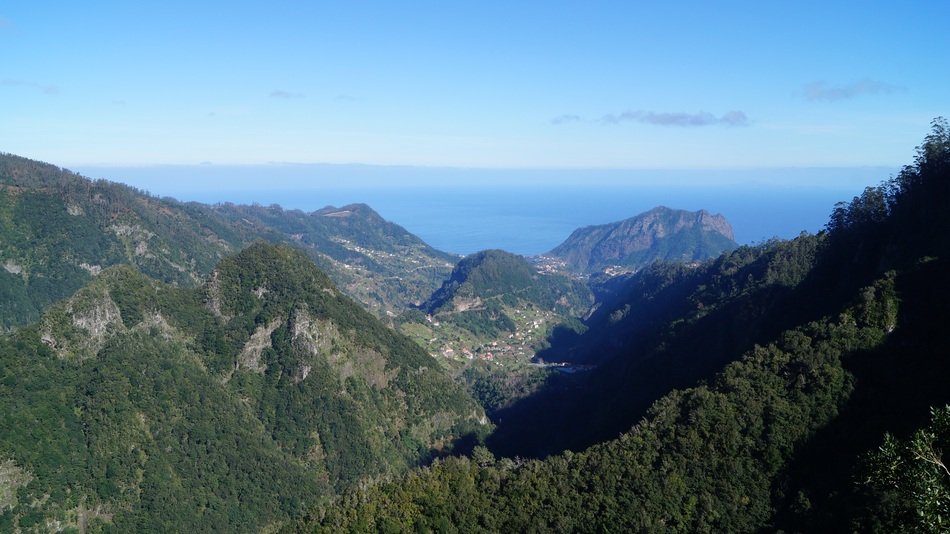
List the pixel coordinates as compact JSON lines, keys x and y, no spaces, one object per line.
{"x":349,"y":210}
{"x":491,"y":278}
{"x":264,"y":275}
{"x":482,"y":274}
{"x":660,"y":234}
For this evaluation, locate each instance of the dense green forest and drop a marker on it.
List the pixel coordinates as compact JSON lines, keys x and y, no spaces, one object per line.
{"x":484,"y":284}
{"x":375,"y":261}
{"x":139,"y":406}
{"x":664,"y":327}
{"x":508,"y":277}
{"x":814,"y":366}
{"x":58,"y":230}
{"x":793,"y":386}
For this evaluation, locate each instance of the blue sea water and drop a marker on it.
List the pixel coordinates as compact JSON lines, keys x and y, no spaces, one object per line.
{"x":523,"y":211}
{"x":533,"y":220}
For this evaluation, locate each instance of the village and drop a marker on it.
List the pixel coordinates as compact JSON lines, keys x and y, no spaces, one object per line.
{"x":386,"y":257}
{"x":454,"y":345}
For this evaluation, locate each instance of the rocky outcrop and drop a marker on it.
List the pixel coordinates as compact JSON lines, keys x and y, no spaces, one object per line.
{"x":660,"y":234}
{"x":322,"y":341}
{"x":250,"y":356}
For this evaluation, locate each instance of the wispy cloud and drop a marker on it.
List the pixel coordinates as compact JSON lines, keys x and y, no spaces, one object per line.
{"x":566,"y":118}
{"x":5,"y":24}
{"x":44,"y":88}
{"x":680,"y":119}
{"x":343,"y":97}
{"x":278,"y":93}
{"x":832,"y":93}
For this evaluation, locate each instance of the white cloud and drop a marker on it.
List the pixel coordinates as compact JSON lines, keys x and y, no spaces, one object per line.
{"x":278,"y":93}
{"x":681,"y":119}
{"x":565,"y":118}
{"x":831,"y":93}
{"x":44,"y":88}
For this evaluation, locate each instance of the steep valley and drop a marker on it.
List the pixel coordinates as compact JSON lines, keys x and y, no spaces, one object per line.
{"x":175,"y":366}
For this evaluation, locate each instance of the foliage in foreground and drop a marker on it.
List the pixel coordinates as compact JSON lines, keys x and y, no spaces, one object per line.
{"x":668,"y":474}
{"x":913,"y":479}
{"x":774,"y":440}
{"x":137,"y":406}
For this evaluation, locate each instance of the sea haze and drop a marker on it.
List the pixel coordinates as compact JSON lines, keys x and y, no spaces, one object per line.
{"x":526,"y":218}
{"x":530,"y":220}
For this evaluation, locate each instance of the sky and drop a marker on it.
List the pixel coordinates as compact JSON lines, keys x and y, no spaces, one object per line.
{"x":477,"y":84}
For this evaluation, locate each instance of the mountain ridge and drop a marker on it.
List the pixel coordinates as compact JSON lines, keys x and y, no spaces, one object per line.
{"x":660,"y":234}
{"x":784,"y":366}
{"x":157,"y":405}
{"x":58,"y":230}
{"x":495,"y":273}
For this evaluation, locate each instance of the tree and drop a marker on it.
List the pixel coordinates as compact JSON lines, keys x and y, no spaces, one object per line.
{"x":913,"y":478}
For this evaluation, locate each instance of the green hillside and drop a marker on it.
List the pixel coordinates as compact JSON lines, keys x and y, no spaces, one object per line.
{"x":508,"y":278}
{"x":780,"y":368}
{"x":793,"y":386}
{"x":495,"y":304}
{"x":59,"y":230}
{"x":139,"y":406}
{"x":377,"y":262}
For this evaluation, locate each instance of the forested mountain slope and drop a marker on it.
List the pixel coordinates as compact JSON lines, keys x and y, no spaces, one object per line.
{"x":58,"y":230}
{"x":375,"y":261}
{"x":484,"y":289}
{"x":832,"y":340}
{"x":139,"y":406}
{"x":490,"y":317}
{"x":664,"y":327}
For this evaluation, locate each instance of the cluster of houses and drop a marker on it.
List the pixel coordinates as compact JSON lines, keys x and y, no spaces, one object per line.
{"x":517,"y":346}
{"x":549,"y":265}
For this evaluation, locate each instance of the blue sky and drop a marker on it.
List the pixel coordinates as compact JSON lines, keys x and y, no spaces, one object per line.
{"x":541,"y":85}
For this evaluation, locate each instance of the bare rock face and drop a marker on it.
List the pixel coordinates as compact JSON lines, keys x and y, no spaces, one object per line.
{"x":12,"y":477}
{"x":322,"y":341}
{"x":80,"y":327}
{"x":250,"y":356}
{"x":12,"y":267}
{"x":661,"y":234}
{"x":97,"y":317}
{"x":716,"y":223}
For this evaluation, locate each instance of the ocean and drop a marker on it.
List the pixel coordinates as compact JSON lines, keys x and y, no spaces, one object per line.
{"x":532,"y":220}
{"x":522,"y":211}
